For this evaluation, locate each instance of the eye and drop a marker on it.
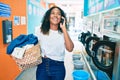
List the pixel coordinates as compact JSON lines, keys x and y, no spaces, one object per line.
{"x":52,"y":12}
{"x":59,"y":14}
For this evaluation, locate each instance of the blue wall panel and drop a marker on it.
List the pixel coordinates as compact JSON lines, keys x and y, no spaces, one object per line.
{"x":35,"y":13}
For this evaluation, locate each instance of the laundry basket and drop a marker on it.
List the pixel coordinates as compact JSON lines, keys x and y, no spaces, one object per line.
{"x":80,"y":75}
{"x":32,"y":57}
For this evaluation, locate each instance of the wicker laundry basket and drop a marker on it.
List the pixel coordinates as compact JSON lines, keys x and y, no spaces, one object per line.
{"x":32,"y":57}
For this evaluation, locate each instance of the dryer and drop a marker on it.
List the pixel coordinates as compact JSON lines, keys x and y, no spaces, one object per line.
{"x":84,"y":36}
{"x":90,"y":41}
{"x":104,"y":52}
{"x":93,"y":44}
{"x":106,"y":56}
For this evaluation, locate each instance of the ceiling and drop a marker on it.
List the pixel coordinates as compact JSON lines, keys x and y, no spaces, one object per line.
{"x":68,"y":5}
{"x":66,"y":1}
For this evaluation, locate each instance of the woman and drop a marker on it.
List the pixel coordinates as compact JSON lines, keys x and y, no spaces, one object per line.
{"x":54,"y":39}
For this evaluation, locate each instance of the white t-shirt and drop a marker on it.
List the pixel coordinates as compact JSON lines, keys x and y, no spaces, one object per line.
{"x":52,"y":45}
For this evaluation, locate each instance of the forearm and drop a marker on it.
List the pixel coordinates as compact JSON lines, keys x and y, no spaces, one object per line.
{"x":68,"y":42}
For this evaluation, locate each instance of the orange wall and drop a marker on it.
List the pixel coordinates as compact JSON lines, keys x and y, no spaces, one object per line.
{"x":8,"y":68}
{"x":18,"y":8}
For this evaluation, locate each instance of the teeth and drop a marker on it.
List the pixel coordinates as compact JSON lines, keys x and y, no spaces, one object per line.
{"x":55,"y":18}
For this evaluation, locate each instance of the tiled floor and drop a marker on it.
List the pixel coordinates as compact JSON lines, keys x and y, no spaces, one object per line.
{"x":30,"y":74}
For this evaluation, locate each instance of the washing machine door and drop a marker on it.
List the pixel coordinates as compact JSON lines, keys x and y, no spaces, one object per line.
{"x":89,"y":45}
{"x":104,"y":56}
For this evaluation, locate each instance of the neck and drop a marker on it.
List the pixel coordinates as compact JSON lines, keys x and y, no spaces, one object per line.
{"x":53,"y":27}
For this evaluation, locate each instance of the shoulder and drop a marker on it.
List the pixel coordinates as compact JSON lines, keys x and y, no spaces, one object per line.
{"x":37,"y":30}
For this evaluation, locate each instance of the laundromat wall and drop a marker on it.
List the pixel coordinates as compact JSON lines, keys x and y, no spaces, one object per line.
{"x":25,"y":16}
{"x":19,"y":16}
{"x":96,"y":11}
{"x":8,"y":67}
{"x":95,"y":23}
{"x":18,"y":8}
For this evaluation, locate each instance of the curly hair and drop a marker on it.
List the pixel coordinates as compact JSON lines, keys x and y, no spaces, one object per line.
{"x":46,"y":20}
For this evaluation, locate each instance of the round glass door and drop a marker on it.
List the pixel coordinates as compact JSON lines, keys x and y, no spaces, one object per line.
{"x":104,"y":55}
{"x":90,"y":42}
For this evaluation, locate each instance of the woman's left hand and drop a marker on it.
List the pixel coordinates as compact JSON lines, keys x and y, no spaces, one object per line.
{"x":62,"y":25}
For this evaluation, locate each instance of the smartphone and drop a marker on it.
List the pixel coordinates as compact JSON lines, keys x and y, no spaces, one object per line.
{"x":62,"y":20}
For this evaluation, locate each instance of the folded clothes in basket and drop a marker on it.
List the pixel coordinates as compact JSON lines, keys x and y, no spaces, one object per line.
{"x":19,"y":52}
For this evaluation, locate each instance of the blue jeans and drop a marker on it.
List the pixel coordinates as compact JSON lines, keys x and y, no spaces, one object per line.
{"x":50,"y":70}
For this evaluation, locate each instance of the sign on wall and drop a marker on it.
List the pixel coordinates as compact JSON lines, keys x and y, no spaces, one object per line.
{"x":5,"y":10}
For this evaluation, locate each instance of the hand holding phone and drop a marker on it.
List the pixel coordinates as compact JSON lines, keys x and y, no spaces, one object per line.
{"x":62,"y":20}
{"x":62,"y":23}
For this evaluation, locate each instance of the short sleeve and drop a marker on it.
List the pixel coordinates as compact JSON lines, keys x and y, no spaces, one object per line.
{"x":37,"y":32}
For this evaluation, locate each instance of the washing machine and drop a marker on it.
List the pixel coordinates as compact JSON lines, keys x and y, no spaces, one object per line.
{"x":90,"y":41}
{"x":84,"y":36}
{"x":90,"y":44}
{"x":104,"y":58}
{"x":104,"y":52}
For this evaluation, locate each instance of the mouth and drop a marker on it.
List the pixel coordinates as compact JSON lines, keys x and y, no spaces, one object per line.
{"x":55,"y":19}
